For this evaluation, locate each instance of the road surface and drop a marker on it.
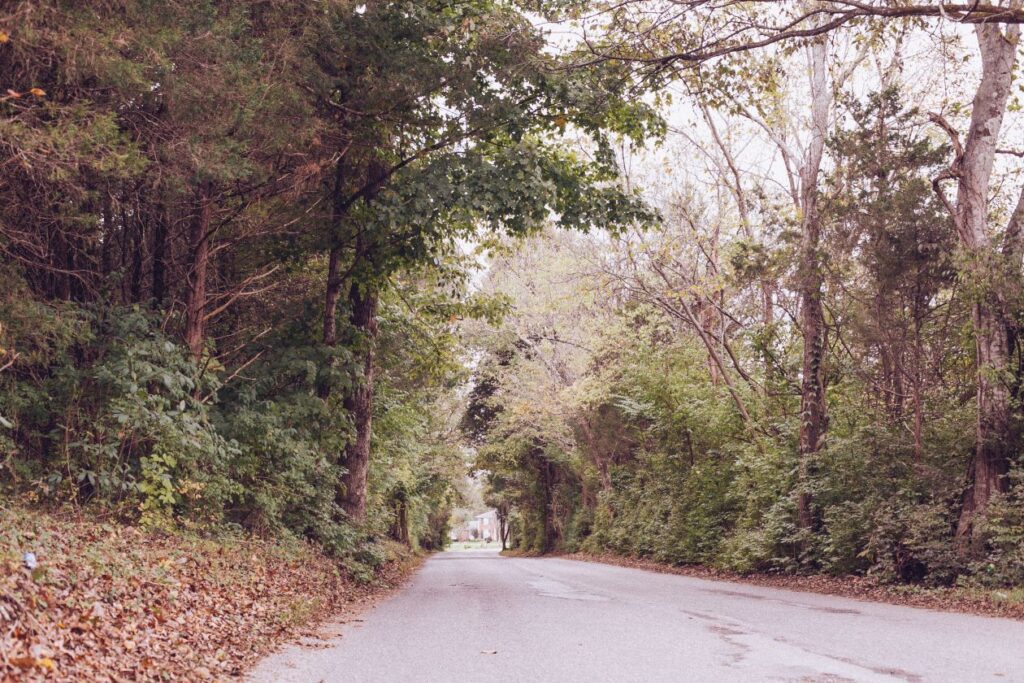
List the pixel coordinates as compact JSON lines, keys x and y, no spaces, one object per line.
{"x":475,"y":616}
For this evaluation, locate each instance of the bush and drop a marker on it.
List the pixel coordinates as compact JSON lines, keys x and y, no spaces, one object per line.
{"x":913,"y":543}
{"x":1003,"y":531}
{"x":117,"y":414}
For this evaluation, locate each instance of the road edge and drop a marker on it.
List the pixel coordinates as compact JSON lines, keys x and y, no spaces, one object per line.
{"x":982,"y":602}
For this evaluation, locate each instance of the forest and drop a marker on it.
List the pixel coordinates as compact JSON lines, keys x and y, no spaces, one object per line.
{"x":710,"y":283}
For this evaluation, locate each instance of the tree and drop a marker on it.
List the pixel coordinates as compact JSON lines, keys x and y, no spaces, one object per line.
{"x":995,"y":309}
{"x":451,"y":146}
{"x":694,"y":33}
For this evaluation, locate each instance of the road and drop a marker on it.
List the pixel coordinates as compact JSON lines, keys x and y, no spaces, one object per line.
{"x":476,"y":616}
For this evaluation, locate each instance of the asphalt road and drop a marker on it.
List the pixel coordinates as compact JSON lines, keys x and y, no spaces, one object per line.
{"x":475,"y":616}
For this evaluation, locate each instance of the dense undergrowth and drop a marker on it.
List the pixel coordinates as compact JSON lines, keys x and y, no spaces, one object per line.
{"x":633,"y":447}
{"x":231,"y":263}
{"x":769,"y":381}
{"x":106,"y":412}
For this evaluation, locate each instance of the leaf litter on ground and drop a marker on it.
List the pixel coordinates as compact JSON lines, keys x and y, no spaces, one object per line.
{"x":108,"y":602}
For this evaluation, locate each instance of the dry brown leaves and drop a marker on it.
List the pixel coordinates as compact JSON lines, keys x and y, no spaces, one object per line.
{"x":985,"y":602}
{"x":109,"y":602}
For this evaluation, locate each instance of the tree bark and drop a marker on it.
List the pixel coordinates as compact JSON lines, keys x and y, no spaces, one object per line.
{"x":502,"y":511}
{"x":363,"y":301}
{"x":139,"y":249}
{"x":351,"y":493}
{"x":813,"y":413}
{"x":331,"y":295}
{"x":400,"y":526}
{"x":994,"y":442}
{"x":332,"y":291}
{"x":158,"y":286}
{"x":199,"y":243}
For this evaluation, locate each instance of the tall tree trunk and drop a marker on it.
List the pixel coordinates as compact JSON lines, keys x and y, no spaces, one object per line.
{"x":109,"y":239}
{"x":332,"y":292}
{"x":139,"y":249}
{"x":158,"y":286}
{"x":547,"y":485}
{"x":199,"y":243}
{"x":502,"y":511}
{"x":331,"y":295}
{"x":363,"y":300}
{"x":813,"y":414}
{"x":994,"y":443}
{"x":400,"y":525}
{"x":359,"y":404}
{"x":918,"y":393}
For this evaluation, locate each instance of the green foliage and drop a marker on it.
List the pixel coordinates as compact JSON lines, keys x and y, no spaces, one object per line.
{"x":643,"y":443}
{"x":1004,"y":533}
{"x":911,"y":543}
{"x":117,"y":415}
{"x":212,"y":173}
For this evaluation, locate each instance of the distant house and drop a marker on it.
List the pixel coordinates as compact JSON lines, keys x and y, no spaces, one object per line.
{"x":487,"y":525}
{"x":484,"y":526}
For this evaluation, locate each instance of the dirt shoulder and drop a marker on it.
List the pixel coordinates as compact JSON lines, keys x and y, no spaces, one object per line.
{"x":104,"y":601}
{"x":1007,"y":603}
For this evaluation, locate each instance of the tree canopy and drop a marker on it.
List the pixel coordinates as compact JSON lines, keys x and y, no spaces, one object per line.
{"x":711,"y":282}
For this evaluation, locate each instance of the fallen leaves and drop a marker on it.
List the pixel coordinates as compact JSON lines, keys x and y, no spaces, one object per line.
{"x":15,"y":95}
{"x":106,"y":602}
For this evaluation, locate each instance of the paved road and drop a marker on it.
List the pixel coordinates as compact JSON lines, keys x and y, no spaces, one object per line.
{"x":475,"y":616}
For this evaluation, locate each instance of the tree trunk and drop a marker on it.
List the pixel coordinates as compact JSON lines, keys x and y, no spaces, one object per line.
{"x":813,"y":414}
{"x":158,"y":286}
{"x":400,"y":527}
{"x":548,"y":484}
{"x":918,"y":393}
{"x":331,"y":296}
{"x":502,"y":513}
{"x":139,"y":249}
{"x":359,"y":404}
{"x":332,"y":291}
{"x":199,"y":243}
{"x":363,"y":301}
{"x":994,"y":441}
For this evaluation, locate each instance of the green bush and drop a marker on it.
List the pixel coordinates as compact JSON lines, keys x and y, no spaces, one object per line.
{"x":1004,"y":533}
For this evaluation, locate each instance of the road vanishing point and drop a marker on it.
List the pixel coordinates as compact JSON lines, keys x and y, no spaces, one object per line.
{"x":478,"y":616}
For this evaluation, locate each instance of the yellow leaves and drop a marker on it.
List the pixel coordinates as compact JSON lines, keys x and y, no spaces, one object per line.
{"x":4,"y":37}
{"x":27,"y":663}
{"x":15,"y":95}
